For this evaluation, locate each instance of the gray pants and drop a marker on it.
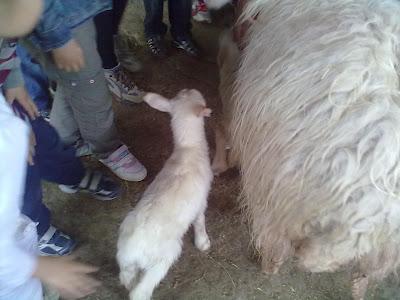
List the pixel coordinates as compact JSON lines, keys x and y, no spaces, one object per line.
{"x":82,"y":103}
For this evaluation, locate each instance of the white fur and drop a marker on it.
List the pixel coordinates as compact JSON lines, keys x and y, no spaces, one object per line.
{"x":316,"y":127}
{"x":150,"y":238}
{"x":228,"y":62}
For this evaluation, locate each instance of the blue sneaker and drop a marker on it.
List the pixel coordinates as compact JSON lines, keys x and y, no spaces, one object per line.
{"x":45,"y":114}
{"x":97,"y":184}
{"x":55,"y":243}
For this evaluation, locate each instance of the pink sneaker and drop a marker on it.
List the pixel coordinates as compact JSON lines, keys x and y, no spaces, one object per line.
{"x":125,"y":165}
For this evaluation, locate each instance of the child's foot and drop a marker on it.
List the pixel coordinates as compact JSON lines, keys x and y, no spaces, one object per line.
{"x":186,"y":45}
{"x":82,"y":148}
{"x":55,"y":243}
{"x":157,"y":47}
{"x":125,"y":165}
{"x":45,"y":114}
{"x":200,"y":12}
{"x":122,"y":86}
{"x":97,"y":184}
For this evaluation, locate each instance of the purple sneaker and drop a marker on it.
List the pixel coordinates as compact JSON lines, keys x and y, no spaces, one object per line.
{"x":125,"y":165}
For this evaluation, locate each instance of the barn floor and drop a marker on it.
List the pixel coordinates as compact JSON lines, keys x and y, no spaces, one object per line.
{"x":230,"y":270}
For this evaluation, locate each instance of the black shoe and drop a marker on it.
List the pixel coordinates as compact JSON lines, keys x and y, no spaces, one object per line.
{"x":186,"y":45}
{"x":156,"y":46}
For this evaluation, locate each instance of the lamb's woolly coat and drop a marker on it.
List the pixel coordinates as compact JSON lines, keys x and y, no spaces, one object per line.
{"x":150,"y":238}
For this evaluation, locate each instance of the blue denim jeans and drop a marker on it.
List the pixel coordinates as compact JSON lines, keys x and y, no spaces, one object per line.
{"x":36,"y":81}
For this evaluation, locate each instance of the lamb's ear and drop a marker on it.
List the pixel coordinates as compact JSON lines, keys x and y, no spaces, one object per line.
{"x":202,"y":111}
{"x":158,"y":102}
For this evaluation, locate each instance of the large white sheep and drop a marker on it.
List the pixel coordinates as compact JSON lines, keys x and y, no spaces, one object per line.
{"x":316,"y":128}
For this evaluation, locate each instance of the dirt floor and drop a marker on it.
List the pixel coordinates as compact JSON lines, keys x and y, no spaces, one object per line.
{"x":230,"y":270}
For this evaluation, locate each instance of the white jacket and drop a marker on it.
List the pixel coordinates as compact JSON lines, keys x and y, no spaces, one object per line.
{"x":18,"y":237}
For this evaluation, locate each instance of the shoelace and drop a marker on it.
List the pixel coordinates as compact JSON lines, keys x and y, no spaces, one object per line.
{"x":127,"y":83}
{"x":152,"y":44}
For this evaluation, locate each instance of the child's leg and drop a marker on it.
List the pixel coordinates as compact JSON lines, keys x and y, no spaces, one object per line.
{"x":107,"y":24}
{"x":56,"y":161}
{"x":53,"y":161}
{"x":88,"y":95}
{"x":153,"y":24}
{"x":180,"y":14}
{"x":33,"y":206}
{"x":62,"y":118}
{"x":119,"y":83}
{"x":82,"y":104}
{"x":83,"y":101}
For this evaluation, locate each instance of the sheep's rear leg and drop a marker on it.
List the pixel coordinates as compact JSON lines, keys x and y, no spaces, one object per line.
{"x":220,"y":161}
{"x":149,"y":280}
{"x":359,"y":285}
{"x":201,"y":239}
{"x":274,"y":253}
{"x":127,"y":275}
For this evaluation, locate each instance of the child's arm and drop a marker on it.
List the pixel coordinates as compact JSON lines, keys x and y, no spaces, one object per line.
{"x":13,"y":86}
{"x":53,"y":34}
{"x":69,"y":277}
{"x":52,"y":31}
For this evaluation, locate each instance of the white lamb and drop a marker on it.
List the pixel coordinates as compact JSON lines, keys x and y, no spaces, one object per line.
{"x":150,"y":239}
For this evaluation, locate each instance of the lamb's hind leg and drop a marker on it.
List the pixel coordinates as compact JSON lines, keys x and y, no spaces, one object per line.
{"x":201,"y":239}
{"x":127,"y":276}
{"x":149,"y":280}
{"x":220,"y":161}
{"x":274,"y":253}
{"x":359,"y":285}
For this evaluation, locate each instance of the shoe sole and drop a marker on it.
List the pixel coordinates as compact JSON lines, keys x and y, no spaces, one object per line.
{"x":137,"y":178}
{"x":68,"y":190}
{"x":126,"y":100}
{"x":186,"y":52}
{"x":201,"y":19}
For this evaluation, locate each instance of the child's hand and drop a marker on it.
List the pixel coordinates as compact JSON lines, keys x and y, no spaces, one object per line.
{"x":69,"y":277}
{"x":69,"y":57}
{"x":20,"y":94}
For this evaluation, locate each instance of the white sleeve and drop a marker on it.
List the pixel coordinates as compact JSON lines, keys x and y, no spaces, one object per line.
{"x":16,"y":264}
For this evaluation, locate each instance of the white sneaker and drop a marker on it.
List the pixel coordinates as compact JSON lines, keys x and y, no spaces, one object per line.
{"x":200,"y":12}
{"x":122,"y":86}
{"x":125,"y":165}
